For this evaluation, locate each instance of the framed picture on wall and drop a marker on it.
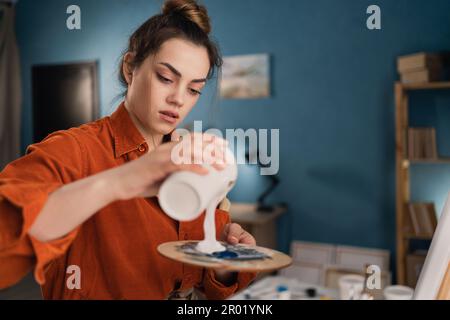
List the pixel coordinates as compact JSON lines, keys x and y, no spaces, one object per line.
{"x":245,"y":77}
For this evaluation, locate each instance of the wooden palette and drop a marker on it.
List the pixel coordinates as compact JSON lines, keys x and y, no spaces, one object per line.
{"x":277,"y":260}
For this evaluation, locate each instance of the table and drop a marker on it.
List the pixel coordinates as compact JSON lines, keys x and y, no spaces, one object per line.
{"x":262,"y":225}
{"x":266,"y":289}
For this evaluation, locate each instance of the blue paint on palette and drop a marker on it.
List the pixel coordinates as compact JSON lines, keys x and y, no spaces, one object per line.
{"x":225,"y":254}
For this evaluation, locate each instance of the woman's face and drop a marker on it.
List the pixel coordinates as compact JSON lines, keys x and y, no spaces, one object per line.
{"x":167,"y":85}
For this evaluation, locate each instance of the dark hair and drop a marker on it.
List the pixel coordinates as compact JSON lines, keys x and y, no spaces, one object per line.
{"x":183,"y":19}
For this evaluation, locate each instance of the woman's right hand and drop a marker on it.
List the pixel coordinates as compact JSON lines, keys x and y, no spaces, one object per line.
{"x":143,"y":177}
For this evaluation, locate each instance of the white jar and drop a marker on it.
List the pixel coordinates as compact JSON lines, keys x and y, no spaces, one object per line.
{"x":398,"y":292}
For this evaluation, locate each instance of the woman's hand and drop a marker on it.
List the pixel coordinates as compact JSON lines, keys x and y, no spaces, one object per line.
{"x":143,"y":177}
{"x":233,"y":233}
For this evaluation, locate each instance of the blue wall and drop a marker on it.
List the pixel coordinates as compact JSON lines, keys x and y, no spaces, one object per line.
{"x":332,"y":96}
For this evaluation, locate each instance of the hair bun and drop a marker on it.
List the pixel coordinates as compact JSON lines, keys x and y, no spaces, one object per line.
{"x":190,"y":10}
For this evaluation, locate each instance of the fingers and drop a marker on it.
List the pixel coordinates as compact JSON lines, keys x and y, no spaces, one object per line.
{"x":201,"y":148}
{"x":196,"y":168}
{"x":247,"y":238}
{"x":175,"y":136}
{"x":234,"y":234}
{"x":226,"y":229}
{"x":157,"y":165}
{"x":215,"y":155}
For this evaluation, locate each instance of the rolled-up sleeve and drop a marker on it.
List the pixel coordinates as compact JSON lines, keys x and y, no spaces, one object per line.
{"x":25,"y":185}
{"x":215,"y":290}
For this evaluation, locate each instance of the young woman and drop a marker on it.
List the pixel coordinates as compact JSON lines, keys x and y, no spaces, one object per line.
{"x":82,"y":203}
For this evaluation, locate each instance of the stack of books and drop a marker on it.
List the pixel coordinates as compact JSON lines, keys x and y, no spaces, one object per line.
{"x":421,"y":67}
{"x":422,"y":144}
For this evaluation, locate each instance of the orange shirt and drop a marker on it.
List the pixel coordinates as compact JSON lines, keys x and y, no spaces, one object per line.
{"x":115,"y":249}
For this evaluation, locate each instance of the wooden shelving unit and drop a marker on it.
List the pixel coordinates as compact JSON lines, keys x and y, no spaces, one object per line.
{"x":429,"y":161}
{"x":402,"y":167}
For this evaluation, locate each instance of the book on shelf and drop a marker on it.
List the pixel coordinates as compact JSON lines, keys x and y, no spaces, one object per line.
{"x":423,"y":67}
{"x":422,"y":219}
{"x":418,"y":61}
{"x":422,"y":144}
{"x":422,"y":76}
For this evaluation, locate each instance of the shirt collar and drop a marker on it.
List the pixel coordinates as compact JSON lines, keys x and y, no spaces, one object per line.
{"x":127,"y":137}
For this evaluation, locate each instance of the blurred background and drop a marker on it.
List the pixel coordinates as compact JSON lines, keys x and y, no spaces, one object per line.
{"x":332,"y":96}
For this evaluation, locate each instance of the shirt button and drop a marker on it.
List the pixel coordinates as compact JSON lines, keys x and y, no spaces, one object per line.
{"x":141,"y":148}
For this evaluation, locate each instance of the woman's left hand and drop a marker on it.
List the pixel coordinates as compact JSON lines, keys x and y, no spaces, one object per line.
{"x":233,"y":233}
